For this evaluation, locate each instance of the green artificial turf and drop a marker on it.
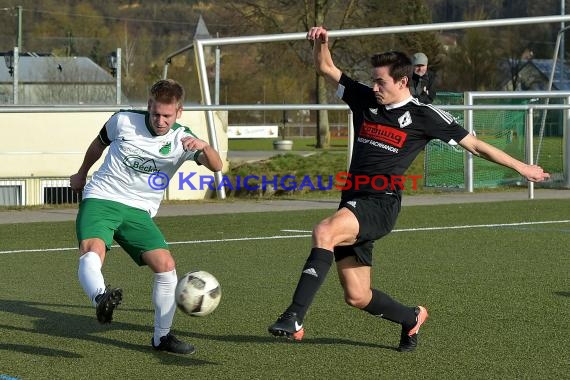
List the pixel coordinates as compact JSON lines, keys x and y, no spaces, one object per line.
{"x":497,"y":292}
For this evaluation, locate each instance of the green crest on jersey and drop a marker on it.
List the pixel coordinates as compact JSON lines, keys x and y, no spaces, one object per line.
{"x":165,"y":148}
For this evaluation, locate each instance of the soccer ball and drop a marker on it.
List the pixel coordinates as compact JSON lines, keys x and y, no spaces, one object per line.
{"x":198,"y":293}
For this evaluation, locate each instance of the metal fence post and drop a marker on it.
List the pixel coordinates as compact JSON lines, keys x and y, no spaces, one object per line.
{"x":566,"y":144}
{"x":529,"y":147}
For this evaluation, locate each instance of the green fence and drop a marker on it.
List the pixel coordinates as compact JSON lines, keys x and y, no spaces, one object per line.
{"x":444,"y":164}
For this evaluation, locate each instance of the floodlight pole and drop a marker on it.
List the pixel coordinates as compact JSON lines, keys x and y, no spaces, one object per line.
{"x":19,"y":8}
{"x":118,"y":77}
{"x":15,"y":84}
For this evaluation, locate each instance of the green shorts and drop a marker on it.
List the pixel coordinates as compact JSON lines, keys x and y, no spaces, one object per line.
{"x":132,"y":228}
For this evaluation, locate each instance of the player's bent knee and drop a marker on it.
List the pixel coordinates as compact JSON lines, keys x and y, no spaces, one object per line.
{"x":159,"y":260}
{"x":322,"y":235}
{"x":92,"y":245}
{"x":357,"y":301}
{"x":320,"y":230}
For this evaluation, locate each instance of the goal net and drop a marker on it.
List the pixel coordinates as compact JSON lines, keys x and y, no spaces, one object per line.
{"x":504,"y":129}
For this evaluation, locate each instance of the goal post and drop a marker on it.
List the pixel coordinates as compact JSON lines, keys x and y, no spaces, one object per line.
{"x":199,"y":45}
{"x":501,"y":118}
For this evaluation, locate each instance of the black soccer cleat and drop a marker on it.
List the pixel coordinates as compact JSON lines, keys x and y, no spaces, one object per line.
{"x":289,"y":326}
{"x":106,"y":304}
{"x":409,"y":338}
{"x":407,"y":343}
{"x":170,"y":343}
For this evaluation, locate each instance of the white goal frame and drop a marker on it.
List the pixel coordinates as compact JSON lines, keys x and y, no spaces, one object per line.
{"x":200,"y":43}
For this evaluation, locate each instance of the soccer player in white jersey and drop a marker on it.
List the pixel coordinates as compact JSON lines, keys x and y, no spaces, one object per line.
{"x":119,"y":202}
{"x":391,"y":128}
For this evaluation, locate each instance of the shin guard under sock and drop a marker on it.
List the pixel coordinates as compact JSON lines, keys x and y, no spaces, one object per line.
{"x":314,"y":273}
{"x":383,"y":306}
{"x":164,"y":304}
{"x":90,"y":276}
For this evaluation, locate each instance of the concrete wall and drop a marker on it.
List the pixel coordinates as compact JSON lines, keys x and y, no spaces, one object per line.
{"x":53,"y":144}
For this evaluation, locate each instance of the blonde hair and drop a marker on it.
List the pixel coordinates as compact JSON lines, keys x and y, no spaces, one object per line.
{"x":167,"y":91}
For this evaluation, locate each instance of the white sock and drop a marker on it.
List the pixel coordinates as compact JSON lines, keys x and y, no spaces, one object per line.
{"x":90,"y":276}
{"x":164,"y":304}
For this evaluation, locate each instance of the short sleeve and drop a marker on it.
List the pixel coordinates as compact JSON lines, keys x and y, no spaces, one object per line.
{"x":112,"y":128}
{"x":443,"y":126}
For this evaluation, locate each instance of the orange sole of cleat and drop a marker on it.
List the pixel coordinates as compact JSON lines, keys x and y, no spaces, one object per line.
{"x":422,"y":316}
{"x":298,"y":336}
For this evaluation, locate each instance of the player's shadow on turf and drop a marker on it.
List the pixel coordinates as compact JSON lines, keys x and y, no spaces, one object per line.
{"x":563,"y":294}
{"x":35,"y":350}
{"x":69,"y":325}
{"x":349,"y":342}
{"x":270,"y":339}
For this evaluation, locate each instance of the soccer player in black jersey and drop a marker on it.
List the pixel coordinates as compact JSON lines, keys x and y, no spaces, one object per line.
{"x":391,"y":128}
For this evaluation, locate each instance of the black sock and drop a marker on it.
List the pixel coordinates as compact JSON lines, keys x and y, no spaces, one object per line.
{"x":382,"y":305}
{"x":314,"y":272}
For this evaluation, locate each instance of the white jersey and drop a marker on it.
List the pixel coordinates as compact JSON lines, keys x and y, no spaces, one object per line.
{"x":135,"y":153}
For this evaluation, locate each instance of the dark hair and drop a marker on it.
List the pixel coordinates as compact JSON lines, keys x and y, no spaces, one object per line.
{"x":398,"y":63}
{"x":167,"y":91}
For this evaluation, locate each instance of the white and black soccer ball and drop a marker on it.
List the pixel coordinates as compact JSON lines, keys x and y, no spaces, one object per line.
{"x":198,"y":293}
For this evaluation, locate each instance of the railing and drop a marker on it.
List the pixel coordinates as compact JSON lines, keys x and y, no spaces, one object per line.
{"x":467,"y":108}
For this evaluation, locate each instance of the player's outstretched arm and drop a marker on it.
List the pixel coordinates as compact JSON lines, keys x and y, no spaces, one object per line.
{"x":77,"y":181}
{"x":480,"y":148}
{"x":210,"y":158}
{"x":322,"y":55}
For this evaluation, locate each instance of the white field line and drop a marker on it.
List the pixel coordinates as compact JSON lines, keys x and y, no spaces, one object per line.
{"x":308,"y":234}
{"x":468,"y":226}
{"x":171,"y":243}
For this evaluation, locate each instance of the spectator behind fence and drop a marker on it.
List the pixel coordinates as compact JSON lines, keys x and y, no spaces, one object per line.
{"x":423,"y":80}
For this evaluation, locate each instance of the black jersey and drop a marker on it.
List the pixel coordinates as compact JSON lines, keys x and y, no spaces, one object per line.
{"x":387,"y":138}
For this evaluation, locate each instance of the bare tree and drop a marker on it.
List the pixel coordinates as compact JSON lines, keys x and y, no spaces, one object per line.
{"x":128,"y":52}
{"x":515,"y":52}
{"x":284,"y":15}
{"x":474,"y":59}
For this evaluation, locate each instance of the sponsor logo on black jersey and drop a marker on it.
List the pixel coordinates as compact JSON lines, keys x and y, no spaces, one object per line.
{"x":405,"y":119}
{"x":383,"y":133}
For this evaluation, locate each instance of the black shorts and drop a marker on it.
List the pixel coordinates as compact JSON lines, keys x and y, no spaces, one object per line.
{"x":376,"y":217}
